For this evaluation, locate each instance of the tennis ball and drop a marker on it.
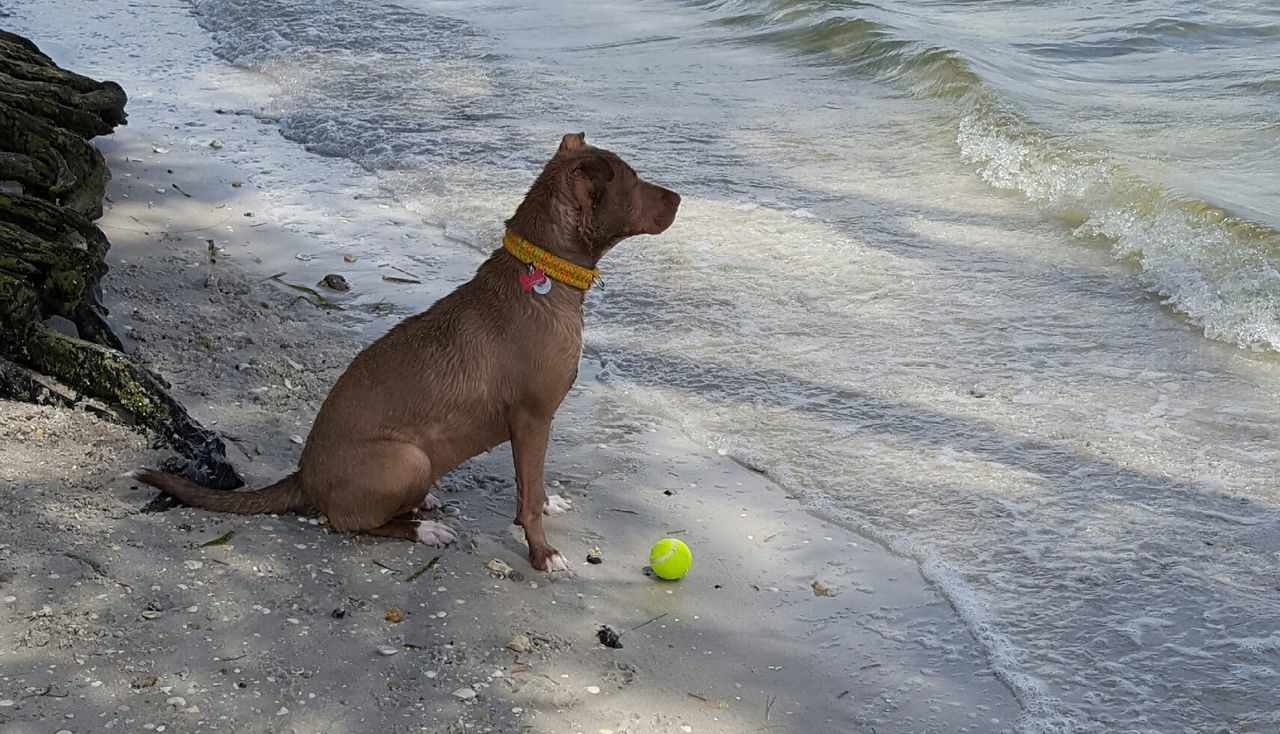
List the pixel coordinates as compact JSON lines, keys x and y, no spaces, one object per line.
{"x":670,"y":559}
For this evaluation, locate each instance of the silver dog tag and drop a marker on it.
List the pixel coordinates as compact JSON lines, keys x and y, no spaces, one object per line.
{"x":542,"y":288}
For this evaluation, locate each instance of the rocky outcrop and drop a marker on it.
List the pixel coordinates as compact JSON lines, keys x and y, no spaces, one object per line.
{"x":52,"y":257}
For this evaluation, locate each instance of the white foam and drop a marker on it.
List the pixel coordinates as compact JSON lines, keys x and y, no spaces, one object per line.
{"x":1222,"y":272}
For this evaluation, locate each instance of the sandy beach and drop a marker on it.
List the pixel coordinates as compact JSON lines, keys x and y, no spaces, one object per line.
{"x":112,"y":619}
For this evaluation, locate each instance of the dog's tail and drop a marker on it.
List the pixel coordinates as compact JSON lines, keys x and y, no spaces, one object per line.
{"x":283,"y":496}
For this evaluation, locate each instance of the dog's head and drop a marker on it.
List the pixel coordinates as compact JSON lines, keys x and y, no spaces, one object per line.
{"x":595,"y":200}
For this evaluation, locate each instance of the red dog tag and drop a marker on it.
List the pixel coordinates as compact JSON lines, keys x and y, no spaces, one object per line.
{"x":535,"y":280}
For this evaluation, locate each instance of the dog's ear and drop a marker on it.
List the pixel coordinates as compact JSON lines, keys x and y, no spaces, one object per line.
{"x":596,"y":170}
{"x":572,"y":142}
{"x":591,"y":176}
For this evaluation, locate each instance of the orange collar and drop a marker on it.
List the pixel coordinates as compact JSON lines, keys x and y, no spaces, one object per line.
{"x":555,"y":267}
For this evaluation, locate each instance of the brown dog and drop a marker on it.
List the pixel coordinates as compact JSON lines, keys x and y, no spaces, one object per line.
{"x":488,"y":363}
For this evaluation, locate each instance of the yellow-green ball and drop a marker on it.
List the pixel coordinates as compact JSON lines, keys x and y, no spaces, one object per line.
{"x":670,"y":559}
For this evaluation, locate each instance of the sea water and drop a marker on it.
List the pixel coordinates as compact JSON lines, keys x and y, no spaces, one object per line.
{"x":994,"y":282}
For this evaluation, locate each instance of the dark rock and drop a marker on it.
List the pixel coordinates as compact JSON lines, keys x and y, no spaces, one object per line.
{"x":52,"y":258}
{"x":608,"y":637}
{"x":335,"y":282}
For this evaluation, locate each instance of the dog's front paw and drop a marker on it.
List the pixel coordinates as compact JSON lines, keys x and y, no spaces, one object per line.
{"x":549,"y":560}
{"x":431,"y":502}
{"x":435,"y":533}
{"x":556,"y":505}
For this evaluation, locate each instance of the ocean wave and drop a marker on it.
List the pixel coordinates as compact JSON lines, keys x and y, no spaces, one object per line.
{"x":1216,"y":266}
{"x":1219,"y":269}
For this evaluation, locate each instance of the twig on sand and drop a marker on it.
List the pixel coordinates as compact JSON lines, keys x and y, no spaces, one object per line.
{"x":430,"y":565}
{"x":98,"y":569}
{"x":715,"y":703}
{"x":168,"y":232}
{"x":320,"y":302}
{"x":220,"y":540}
{"x":399,"y":270}
{"x":379,"y":564}
{"x":768,"y":711}
{"x":655,"y":619}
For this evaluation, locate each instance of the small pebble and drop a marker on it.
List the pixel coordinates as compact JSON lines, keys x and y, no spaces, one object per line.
{"x":593,"y":689}
{"x":176,"y":701}
{"x":466,"y":694}
{"x":282,"y":711}
{"x":387,"y":651}
{"x":499,"y":569}
{"x":10,"y":599}
{"x":193,"y":565}
{"x":518,"y":643}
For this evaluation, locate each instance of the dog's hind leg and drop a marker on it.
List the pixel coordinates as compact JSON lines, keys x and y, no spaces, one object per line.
{"x":375,"y":489}
{"x":407,"y":527}
{"x":404,"y":527}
